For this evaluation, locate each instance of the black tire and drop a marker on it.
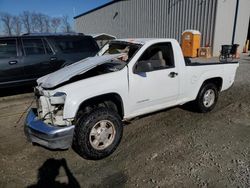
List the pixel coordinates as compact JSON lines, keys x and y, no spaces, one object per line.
{"x":81,"y":141}
{"x":199,"y":102}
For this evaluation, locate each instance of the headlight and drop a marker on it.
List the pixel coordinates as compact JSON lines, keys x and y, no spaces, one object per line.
{"x":58,"y":98}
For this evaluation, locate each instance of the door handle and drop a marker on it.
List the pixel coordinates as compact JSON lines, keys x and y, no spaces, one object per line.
{"x":173,"y":74}
{"x":12,"y":62}
{"x":53,"y":58}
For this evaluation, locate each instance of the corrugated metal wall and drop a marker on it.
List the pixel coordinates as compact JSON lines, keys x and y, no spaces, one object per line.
{"x":152,"y":18}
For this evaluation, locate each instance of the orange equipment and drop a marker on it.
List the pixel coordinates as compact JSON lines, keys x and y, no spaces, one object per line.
{"x":190,"y":44}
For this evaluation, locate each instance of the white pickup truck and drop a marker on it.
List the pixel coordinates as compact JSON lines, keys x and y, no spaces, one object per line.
{"x":83,"y":105}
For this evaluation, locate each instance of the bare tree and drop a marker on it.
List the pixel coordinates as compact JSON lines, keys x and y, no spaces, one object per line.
{"x":65,"y":24}
{"x":6,"y":21}
{"x":40,"y":22}
{"x":26,"y":20}
{"x":55,"y":23}
{"x":17,"y":25}
{"x":34,"y":22}
{"x":46,"y":23}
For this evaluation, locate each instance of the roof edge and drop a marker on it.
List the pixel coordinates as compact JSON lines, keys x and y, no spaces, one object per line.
{"x":97,"y":8}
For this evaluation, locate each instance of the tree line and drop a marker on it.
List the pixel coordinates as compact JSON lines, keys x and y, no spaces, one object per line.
{"x":32,"y":22}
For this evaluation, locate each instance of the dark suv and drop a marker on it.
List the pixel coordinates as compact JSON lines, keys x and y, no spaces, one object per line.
{"x":25,"y":58}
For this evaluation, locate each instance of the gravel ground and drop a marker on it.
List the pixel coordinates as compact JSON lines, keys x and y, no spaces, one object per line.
{"x":172,"y":148}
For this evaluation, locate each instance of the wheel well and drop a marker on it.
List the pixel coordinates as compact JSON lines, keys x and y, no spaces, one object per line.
{"x":105,"y":99}
{"x":216,"y":81}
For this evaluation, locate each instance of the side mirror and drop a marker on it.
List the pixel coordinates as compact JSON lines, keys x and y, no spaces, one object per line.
{"x":143,"y":67}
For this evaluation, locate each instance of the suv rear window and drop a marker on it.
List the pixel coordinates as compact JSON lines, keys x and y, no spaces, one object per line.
{"x":76,"y":44}
{"x":8,"y":48}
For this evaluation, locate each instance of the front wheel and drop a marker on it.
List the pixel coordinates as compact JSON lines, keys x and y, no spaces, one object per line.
{"x":98,"y":134}
{"x":207,"y":98}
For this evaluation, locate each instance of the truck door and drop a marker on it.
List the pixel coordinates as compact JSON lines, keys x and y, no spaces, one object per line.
{"x":11,"y":69}
{"x":155,"y":82}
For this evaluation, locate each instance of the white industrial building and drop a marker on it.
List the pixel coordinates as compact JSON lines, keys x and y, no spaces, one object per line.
{"x":219,"y":21}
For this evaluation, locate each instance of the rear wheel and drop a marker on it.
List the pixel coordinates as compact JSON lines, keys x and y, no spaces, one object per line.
{"x":207,"y":98}
{"x":98,"y":133}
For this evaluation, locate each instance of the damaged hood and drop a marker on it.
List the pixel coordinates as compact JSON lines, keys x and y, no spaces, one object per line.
{"x":62,"y":75}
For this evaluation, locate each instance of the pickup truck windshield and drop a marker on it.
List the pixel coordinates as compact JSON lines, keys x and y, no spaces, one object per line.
{"x":119,"y":47}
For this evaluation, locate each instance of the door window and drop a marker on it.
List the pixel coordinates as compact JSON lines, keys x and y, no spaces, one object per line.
{"x":8,"y":48}
{"x":156,"y":57}
{"x":47,"y":47}
{"x":33,"y":46}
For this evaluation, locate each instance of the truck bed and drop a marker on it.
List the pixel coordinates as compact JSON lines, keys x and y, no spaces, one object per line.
{"x":205,"y":61}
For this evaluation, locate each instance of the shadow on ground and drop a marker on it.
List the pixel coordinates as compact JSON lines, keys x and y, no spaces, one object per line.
{"x":49,"y":171}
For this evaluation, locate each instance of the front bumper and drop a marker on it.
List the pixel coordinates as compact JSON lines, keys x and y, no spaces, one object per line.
{"x":49,"y":136}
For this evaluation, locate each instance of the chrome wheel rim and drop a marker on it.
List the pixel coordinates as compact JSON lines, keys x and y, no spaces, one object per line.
{"x":209,"y":98}
{"x":102,"y":134}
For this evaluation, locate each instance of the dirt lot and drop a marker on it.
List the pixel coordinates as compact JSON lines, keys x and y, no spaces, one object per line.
{"x":173,"y":148}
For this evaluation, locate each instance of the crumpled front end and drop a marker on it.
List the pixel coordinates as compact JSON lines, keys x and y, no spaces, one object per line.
{"x":45,"y":124}
{"x":50,"y":108}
